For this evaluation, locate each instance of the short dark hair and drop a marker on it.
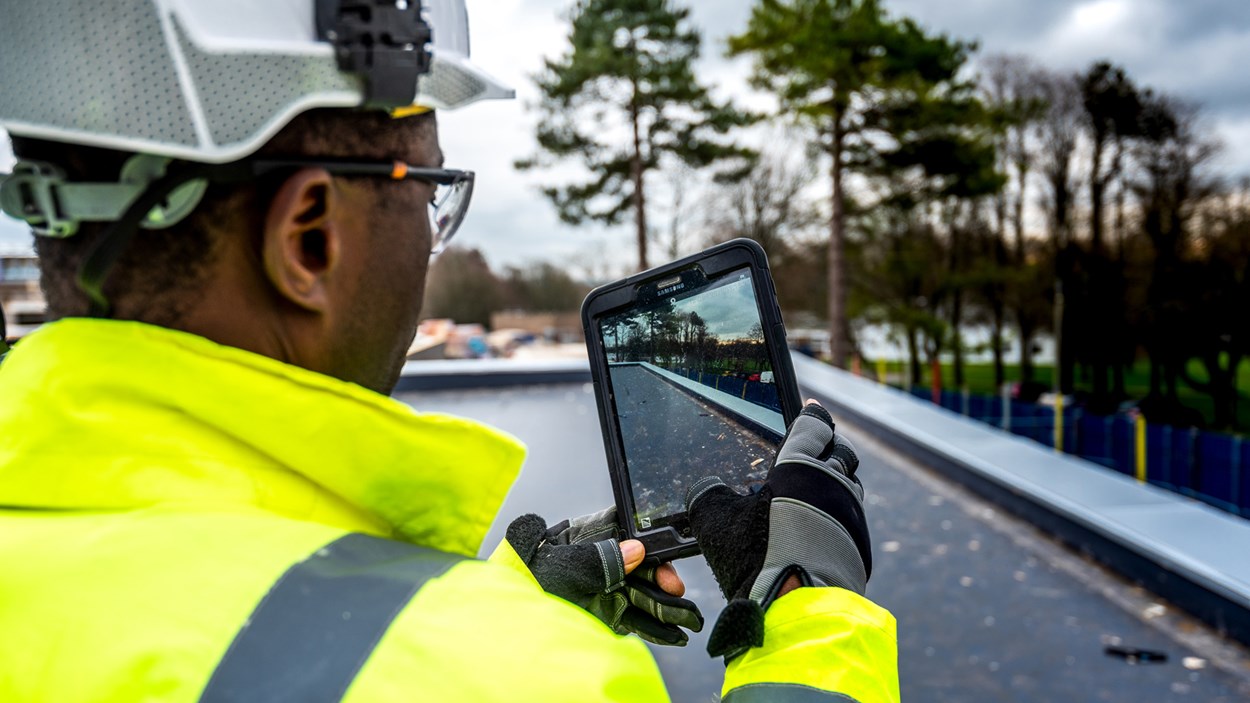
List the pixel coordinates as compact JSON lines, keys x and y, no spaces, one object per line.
{"x":162,"y":269}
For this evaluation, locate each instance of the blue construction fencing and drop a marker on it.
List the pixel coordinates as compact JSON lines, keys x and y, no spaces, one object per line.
{"x":757,"y":392}
{"x":1203,"y":465}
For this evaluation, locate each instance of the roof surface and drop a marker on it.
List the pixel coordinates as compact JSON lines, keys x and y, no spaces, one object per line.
{"x":986,"y":610}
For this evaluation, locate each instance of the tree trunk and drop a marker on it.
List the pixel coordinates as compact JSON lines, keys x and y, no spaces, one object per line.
{"x":1097,"y":185}
{"x":837,"y":261}
{"x":1094,"y":335}
{"x":913,"y":354}
{"x":957,"y":339}
{"x":996,"y":343}
{"x":635,"y":167}
{"x":1023,"y":321}
{"x":1026,"y":351}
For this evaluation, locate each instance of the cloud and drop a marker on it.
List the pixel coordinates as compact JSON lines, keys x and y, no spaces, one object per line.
{"x":729,"y":310}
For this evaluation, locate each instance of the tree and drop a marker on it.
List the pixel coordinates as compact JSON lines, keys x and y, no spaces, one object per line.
{"x":830,"y":63}
{"x":1181,"y":296}
{"x":462,"y":287}
{"x":624,"y":101}
{"x":1112,"y":116}
{"x":1060,"y":131}
{"x":1013,"y":93}
{"x":543,"y":287}
{"x":767,"y":205}
{"x":1225,"y":303}
{"x":900,"y":277}
{"x":943,"y":161}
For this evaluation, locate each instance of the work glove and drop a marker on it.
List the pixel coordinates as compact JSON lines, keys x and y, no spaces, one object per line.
{"x":580,"y":561}
{"x":807,"y":520}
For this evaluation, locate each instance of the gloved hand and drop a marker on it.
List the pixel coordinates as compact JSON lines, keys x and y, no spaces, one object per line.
{"x":580,"y":560}
{"x":807,"y":521}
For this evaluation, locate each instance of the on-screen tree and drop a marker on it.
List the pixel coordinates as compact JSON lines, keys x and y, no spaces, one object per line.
{"x":830,"y":63}
{"x":623,"y":101}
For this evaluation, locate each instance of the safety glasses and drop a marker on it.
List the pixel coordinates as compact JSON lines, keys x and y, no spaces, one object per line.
{"x":452,"y":189}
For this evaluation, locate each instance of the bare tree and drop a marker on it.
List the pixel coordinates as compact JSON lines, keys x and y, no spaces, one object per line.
{"x":1172,"y":157}
{"x":1059,"y":129}
{"x":1013,"y":89}
{"x":768,"y":205}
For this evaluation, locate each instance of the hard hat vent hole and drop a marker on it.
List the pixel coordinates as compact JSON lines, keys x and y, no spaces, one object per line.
{"x":243,"y":93}
{"x":108,"y":71}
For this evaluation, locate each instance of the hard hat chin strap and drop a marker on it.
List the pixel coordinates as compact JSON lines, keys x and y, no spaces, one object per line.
{"x":104,"y":253}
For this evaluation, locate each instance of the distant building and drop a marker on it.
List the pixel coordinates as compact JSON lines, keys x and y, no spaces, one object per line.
{"x":24,"y":306}
{"x":559,"y":327}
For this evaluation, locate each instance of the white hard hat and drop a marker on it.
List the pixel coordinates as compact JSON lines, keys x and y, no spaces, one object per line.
{"x":212,"y":80}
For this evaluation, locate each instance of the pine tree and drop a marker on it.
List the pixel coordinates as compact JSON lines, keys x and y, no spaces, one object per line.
{"x":624,"y":101}
{"x":833,"y":64}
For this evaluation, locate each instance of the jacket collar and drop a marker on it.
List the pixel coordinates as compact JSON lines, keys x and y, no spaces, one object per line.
{"x":104,"y":415}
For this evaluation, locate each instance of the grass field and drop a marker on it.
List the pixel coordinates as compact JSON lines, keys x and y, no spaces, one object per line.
{"x":979,"y":379}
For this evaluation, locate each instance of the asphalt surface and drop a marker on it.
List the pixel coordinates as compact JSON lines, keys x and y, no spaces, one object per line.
{"x":672,"y":440}
{"x":988,"y":610}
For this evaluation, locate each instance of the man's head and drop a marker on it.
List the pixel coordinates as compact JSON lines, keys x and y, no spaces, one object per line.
{"x":319,"y":270}
{"x":308,"y":262}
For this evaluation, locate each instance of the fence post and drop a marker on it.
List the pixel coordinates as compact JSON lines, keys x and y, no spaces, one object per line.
{"x":1006,"y":394}
{"x":881,"y":370}
{"x":935,"y":381}
{"x":966,"y":401}
{"x":1167,"y":456}
{"x":1059,"y":423}
{"x":1139,"y":423}
{"x":1108,"y":440}
{"x":1235,"y":471}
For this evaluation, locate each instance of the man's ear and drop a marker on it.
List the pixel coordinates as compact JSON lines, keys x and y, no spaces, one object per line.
{"x":301,"y":243}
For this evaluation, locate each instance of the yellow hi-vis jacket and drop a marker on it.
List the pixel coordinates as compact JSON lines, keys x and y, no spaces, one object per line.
{"x":183,"y":521}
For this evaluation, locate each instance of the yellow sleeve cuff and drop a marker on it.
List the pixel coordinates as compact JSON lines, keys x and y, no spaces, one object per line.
{"x":826,"y":638}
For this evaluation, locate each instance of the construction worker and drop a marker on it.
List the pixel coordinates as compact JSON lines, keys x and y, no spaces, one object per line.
{"x":205,"y":492}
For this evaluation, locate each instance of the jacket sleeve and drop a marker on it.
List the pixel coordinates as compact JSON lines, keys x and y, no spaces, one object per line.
{"x":820,"y":644}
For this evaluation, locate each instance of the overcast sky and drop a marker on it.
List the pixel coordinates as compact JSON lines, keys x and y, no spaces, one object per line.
{"x":729,"y":310}
{"x":1195,"y":49}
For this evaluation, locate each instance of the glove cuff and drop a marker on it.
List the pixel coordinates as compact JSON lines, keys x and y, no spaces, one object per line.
{"x":739,"y":628}
{"x":822,"y":549}
{"x":613,"y":564}
{"x":698,"y":488}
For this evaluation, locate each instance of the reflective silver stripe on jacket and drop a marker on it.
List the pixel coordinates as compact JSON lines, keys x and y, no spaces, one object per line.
{"x":319,"y":623}
{"x":784,"y":693}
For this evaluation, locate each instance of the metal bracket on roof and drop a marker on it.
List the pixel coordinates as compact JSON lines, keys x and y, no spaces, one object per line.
{"x":386,"y":42}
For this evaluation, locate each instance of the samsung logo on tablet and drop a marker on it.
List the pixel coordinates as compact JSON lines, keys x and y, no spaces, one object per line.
{"x":672,"y":285}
